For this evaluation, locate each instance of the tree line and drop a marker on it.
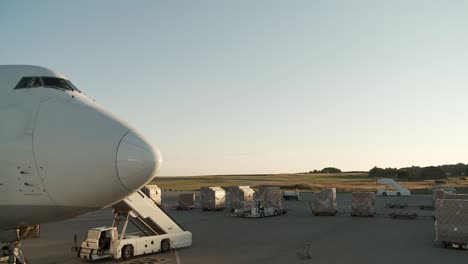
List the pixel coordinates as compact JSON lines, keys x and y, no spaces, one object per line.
{"x":327,"y":170}
{"x":411,"y":173}
{"x":421,"y":173}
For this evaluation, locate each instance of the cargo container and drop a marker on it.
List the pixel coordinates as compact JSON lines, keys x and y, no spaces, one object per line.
{"x":451,"y":225}
{"x":212,"y":198}
{"x":186,"y":201}
{"x":324,"y":202}
{"x":271,"y":196}
{"x":362,"y":204}
{"x":437,"y":193}
{"x":240,"y":197}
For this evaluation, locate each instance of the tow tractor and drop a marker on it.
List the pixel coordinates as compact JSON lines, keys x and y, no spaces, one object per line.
{"x":159,"y":232}
{"x":259,"y":210}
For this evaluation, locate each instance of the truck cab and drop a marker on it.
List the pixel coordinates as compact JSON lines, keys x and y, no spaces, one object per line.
{"x":260,"y":210}
{"x":99,"y":243}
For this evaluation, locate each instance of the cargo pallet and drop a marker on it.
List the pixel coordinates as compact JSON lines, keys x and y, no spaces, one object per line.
{"x":362,"y":215}
{"x":324,"y":213}
{"x":185,"y":208}
{"x":392,"y":205}
{"x":456,"y":245}
{"x":402,"y":215}
{"x":214,"y":209}
{"x":426,"y":207}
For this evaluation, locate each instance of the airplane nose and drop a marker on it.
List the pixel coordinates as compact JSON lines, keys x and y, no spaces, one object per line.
{"x":137,"y":161}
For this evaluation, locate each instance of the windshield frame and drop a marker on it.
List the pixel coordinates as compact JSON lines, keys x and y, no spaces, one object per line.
{"x":26,"y":83}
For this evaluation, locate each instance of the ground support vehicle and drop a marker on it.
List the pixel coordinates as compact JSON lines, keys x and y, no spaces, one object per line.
{"x":396,"y":188}
{"x":158,"y":232}
{"x":449,"y":244}
{"x":259,"y":210}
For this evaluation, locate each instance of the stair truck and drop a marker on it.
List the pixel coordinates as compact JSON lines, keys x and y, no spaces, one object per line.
{"x":159,"y":232}
{"x":398,"y":190}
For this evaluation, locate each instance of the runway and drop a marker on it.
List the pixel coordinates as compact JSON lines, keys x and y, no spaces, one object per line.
{"x":221,"y":238}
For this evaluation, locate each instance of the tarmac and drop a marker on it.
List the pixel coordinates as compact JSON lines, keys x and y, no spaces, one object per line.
{"x":297,"y":237}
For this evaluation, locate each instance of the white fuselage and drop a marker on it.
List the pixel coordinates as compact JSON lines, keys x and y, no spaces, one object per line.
{"x":61,"y":154}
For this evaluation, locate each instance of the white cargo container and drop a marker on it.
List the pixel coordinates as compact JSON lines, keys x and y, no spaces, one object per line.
{"x":324,"y":202}
{"x":271,"y":196}
{"x":240,"y":197}
{"x":212,"y":198}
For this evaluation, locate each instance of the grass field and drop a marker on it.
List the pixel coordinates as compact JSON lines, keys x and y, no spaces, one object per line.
{"x":343,"y":182}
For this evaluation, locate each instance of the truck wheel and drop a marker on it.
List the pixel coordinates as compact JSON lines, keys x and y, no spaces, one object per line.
{"x":127,"y":252}
{"x":384,"y":194}
{"x":398,"y":194}
{"x":165,"y":245}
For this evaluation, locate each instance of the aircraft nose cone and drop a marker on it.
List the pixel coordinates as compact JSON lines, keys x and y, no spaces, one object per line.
{"x":137,"y":161}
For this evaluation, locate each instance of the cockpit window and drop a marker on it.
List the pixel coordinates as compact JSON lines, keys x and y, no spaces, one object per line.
{"x":52,"y":82}
{"x":36,"y":82}
{"x":48,"y":82}
{"x":29,"y":82}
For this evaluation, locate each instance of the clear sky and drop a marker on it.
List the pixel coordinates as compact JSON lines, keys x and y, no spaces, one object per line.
{"x":263,"y":86}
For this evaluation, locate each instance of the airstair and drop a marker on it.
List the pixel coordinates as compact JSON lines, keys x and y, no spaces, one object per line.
{"x":159,"y":232}
{"x":146,"y":215}
{"x":398,"y":189}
